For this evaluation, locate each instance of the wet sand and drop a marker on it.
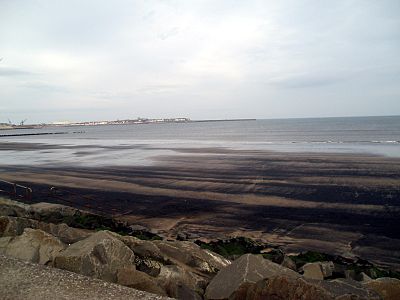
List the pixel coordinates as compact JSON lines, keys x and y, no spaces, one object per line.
{"x":343,"y":204}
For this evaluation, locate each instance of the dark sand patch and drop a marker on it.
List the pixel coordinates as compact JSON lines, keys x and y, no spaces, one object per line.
{"x":337,"y":203}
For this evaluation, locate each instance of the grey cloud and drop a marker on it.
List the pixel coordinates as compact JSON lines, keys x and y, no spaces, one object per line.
{"x":14,"y":72}
{"x":169,"y":33}
{"x":307,"y":81}
{"x":159,"y":88}
{"x":45,"y":87}
{"x":200,"y":58}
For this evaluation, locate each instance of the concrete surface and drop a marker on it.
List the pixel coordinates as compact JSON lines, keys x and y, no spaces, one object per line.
{"x":23,"y":280}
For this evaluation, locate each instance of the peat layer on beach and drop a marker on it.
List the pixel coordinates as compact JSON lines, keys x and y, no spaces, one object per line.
{"x":343,"y":204}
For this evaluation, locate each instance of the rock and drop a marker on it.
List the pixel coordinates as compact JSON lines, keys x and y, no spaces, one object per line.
{"x":287,"y":262}
{"x":313,"y":271}
{"x":65,"y":233}
{"x":247,"y":269}
{"x":142,"y":247}
{"x":100,"y":256}
{"x":180,"y":283}
{"x":327,"y":268}
{"x":56,"y":213}
{"x":213,"y":260}
{"x":4,"y":241}
{"x":44,"y":209}
{"x":135,"y":279}
{"x":273,"y":254}
{"x":14,"y":208}
{"x":148,"y":258}
{"x":363,"y":277}
{"x":318,"y":270}
{"x":350,"y":274}
{"x":34,"y":245}
{"x":192,"y":255}
{"x":283,"y":287}
{"x":339,"y":269}
{"x":148,"y":265}
{"x":352,"y":286}
{"x":387,"y":288}
{"x":183,"y":292}
{"x":13,"y":226}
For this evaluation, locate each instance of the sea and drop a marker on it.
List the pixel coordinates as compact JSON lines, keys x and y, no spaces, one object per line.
{"x":139,"y":144}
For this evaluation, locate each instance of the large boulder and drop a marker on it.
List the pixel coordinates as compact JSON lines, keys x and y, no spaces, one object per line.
{"x":33,"y":245}
{"x":133,"y":278}
{"x":192,"y":255}
{"x":100,"y":256}
{"x":318,"y":270}
{"x":285,"y":287}
{"x":244,"y":271}
{"x":387,"y":288}
{"x":180,"y":283}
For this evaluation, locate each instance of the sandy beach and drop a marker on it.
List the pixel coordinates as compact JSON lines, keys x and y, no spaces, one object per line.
{"x":343,"y":204}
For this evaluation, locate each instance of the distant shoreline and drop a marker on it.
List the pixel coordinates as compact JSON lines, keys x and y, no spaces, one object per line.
{"x":34,"y":126}
{"x":222,"y":120}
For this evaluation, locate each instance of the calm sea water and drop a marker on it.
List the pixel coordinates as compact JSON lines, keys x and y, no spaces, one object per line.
{"x":136,"y":144}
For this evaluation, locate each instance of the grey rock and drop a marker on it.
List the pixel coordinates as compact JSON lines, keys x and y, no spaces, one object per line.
{"x":13,"y":226}
{"x":148,"y":265}
{"x":4,"y":241}
{"x":350,"y":274}
{"x":328,"y":268}
{"x":100,"y":256}
{"x":148,"y":257}
{"x":142,"y":247}
{"x":65,"y":233}
{"x":10,"y":207}
{"x":318,"y":270}
{"x":339,"y":269}
{"x":287,"y":262}
{"x":247,"y":269}
{"x":133,"y":278}
{"x":387,"y":288}
{"x":180,"y":283}
{"x":363,"y":277}
{"x":351,"y":287}
{"x":192,"y":255}
{"x":44,"y":209}
{"x":285,"y":287}
{"x":34,"y":245}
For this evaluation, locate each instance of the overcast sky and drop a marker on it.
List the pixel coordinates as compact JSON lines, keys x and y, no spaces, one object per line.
{"x":89,"y":60}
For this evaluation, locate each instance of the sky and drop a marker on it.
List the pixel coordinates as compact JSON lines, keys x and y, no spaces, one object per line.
{"x":104,"y":60}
